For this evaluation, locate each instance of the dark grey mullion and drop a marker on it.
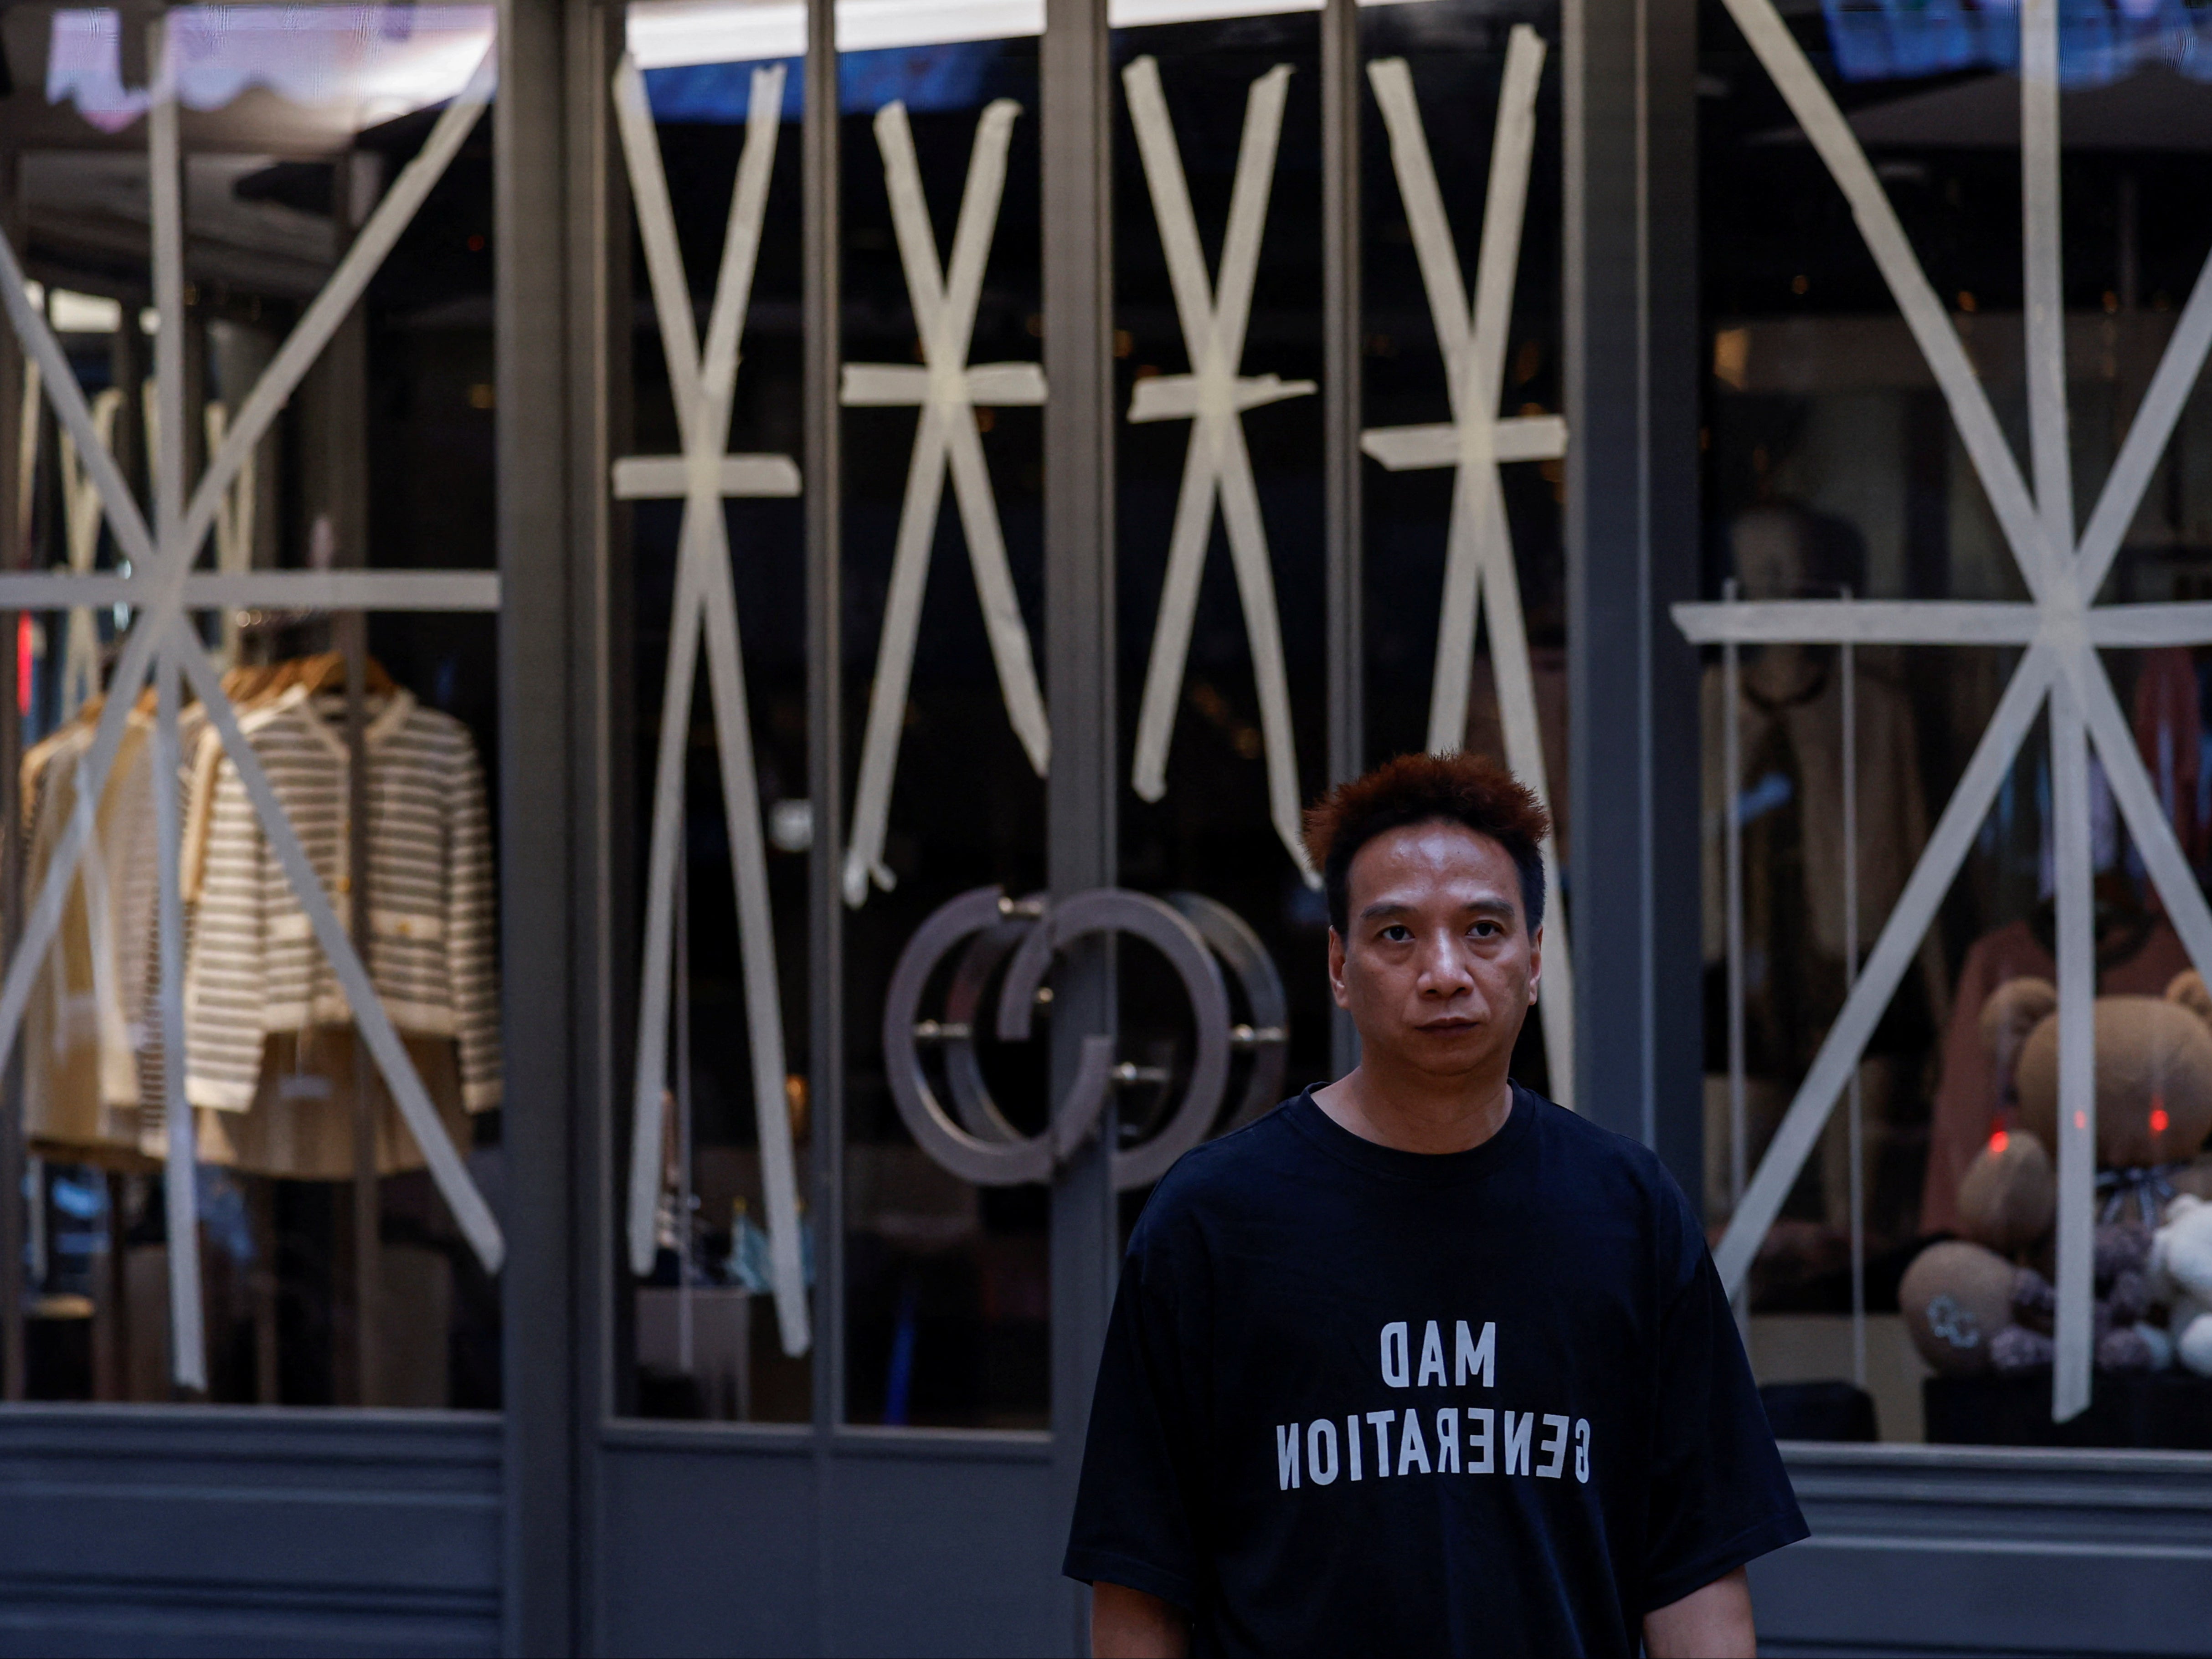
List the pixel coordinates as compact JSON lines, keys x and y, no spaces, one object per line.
{"x":12,"y":557}
{"x":825,"y":957}
{"x":1632,"y":402}
{"x":1344,"y":525}
{"x":1081,"y":796}
{"x":540,"y":844}
{"x":603,"y":636}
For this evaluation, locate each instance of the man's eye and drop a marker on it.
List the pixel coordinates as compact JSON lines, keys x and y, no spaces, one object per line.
{"x":1486,"y":930}
{"x":1396,"y":934}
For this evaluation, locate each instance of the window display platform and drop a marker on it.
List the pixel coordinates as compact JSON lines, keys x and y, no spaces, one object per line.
{"x":2171,"y":1409}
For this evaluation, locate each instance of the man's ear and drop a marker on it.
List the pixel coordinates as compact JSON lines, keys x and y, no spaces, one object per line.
{"x":1336,"y":969}
{"x":1535,"y":963}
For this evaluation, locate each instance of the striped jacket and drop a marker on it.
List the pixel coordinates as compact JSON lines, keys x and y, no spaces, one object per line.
{"x":255,"y":965}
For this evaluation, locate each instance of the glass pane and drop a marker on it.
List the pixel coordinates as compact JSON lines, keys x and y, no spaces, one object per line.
{"x":1223,"y":668}
{"x":332,"y":1269}
{"x":705,"y":1337}
{"x":1906,"y":1271}
{"x":1456,"y":59}
{"x":946,"y":1283}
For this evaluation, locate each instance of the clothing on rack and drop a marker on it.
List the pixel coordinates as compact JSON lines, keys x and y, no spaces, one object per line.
{"x":271,"y":1066}
{"x":256,"y":967}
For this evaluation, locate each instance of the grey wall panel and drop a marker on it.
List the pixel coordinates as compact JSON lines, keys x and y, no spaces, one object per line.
{"x":709,"y":1548}
{"x":745,"y":1544}
{"x":151,"y":1530}
{"x":1971,"y":1551}
{"x":944,"y":1557}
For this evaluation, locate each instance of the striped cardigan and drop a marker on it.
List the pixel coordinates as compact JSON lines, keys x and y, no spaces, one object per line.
{"x":255,"y":965}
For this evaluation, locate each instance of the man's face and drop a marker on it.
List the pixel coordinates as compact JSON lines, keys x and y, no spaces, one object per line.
{"x":1438,"y":968}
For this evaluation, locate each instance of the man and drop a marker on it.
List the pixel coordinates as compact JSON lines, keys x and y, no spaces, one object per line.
{"x":1421,"y":1363}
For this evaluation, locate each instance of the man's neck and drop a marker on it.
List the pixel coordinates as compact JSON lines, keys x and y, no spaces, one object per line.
{"x":1417,"y":1113}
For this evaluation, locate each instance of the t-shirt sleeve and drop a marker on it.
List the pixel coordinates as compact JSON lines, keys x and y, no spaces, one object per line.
{"x":1719,"y":1494}
{"x":1132,"y":1523}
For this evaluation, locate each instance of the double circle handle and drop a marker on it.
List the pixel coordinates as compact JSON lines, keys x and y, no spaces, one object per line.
{"x":973,"y":1140}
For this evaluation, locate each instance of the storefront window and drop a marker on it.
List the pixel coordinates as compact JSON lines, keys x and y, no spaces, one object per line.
{"x":708,"y":124}
{"x":253,"y":336}
{"x":1905,"y":385}
{"x":946,"y":1282}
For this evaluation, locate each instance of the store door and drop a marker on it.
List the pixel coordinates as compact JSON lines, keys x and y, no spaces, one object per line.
{"x":960,"y":669}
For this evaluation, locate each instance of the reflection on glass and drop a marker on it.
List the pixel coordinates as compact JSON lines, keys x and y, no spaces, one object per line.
{"x":1904,"y":1290}
{"x":332,"y":1270}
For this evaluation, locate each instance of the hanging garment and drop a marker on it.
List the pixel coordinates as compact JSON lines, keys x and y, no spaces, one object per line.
{"x":81,"y":1025}
{"x":256,"y":967}
{"x":2139,"y":960}
{"x":300,"y":1127}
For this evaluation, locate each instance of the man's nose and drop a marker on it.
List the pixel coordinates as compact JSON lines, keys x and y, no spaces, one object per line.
{"x":1444,"y":969}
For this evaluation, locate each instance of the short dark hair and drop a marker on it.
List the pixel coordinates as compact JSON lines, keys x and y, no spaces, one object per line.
{"x":1457,"y":788}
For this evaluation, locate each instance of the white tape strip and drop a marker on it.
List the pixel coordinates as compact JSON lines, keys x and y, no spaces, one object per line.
{"x":165,"y":421}
{"x":1216,"y":465}
{"x":27,"y":440}
{"x":181,"y":1190}
{"x":667,"y":478}
{"x":1863,"y":622}
{"x":281,"y":590}
{"x":81,"y":522}
{"x":1517,"y":438}
{"x":2073,"y":1334}
{"x":2041,"y":232}
{"x":1934,"y":622}
{"x":946,"y":389}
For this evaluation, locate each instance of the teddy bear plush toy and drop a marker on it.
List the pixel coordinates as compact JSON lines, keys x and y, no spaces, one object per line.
{"x":1982,"y":1301}
{"x":2180,"y":1276}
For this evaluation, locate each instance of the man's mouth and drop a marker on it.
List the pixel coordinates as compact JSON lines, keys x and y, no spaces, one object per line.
{"x":1455,"y":1023}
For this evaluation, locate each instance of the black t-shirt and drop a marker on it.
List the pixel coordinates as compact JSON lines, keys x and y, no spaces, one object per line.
{"x":1361,"y":1400}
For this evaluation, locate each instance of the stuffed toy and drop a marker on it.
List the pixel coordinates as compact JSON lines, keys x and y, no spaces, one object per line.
{"x":2153,"y":1077}
{"x":1984,"y":1303}
{"x":1971,"y":1312}
{"x":2180,"y":1276}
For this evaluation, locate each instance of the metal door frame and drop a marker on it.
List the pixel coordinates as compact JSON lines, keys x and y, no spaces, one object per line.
{"x":844,"y":1567}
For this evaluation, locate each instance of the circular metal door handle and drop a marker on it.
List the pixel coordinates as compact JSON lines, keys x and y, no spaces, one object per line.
{"x":973,"y":1139}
